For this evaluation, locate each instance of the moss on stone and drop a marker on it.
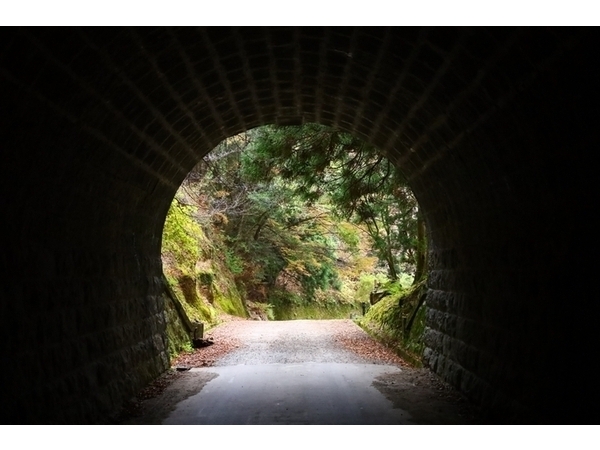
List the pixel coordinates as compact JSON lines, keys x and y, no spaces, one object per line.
{"x":178,"y":339}
{"x":387,"y":321}
{"x":228,"y":298}
{"x":291,"y":311}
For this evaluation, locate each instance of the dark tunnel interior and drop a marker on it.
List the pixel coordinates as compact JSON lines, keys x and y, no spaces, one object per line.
{"x":496,"y":129}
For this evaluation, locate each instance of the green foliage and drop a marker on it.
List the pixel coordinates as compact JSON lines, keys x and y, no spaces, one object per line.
{"x":413,"y":342}
{"x":349,"y":235}
{"x":405,"y":280}
{"x":366,"y":284}
{"x":234,"y":263}
{"x":279,"y":297}
{"x":289,"y":306}
{"x":311,"y":311}
{"x":385,"y":316}
{"x":181,"y":235}
{"x":191,"y":278}
{"x":388,"y":320}
{"x":278,"y":236}
{"x":352,"y":175}
{"x":317,"y":274}
{"x":293,"y":218}
{"x":225,"y":294}
{"x":200,"y":310}
{"x":230,"y":302}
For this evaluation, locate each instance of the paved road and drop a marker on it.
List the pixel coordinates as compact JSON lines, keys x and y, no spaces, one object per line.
{"x":307,"y":393}
{"x":297,"y":372}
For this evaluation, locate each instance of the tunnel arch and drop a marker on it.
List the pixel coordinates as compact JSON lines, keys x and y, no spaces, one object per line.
{"x":101,"y":125}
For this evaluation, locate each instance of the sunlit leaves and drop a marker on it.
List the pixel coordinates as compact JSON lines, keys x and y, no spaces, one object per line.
{"x":323,"y":163}
{"x":180,"y":234}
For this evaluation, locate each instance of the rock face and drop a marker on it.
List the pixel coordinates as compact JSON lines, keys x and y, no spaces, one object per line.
{"x":495,"y":129}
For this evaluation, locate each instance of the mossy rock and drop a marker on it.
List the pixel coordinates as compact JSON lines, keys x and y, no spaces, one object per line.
{"x":178,"y":339}
{"x":230,"y":303}
{"x":388,"y":319}
{"x":187,"y":284}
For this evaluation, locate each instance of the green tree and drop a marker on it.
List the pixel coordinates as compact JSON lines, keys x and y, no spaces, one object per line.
{"x":272,"y":202}
{"x":362,"y":184}
{"x":272,"y":236}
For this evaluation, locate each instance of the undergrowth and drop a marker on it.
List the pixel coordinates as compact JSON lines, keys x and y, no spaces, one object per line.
{"x":391,"y":320}
{"x":327,"y":304}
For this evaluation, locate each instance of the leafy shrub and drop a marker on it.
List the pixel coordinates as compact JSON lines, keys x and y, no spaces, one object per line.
{"x":348,"y":234}
{"x":234,"y":263}
{"x":365,"y":286}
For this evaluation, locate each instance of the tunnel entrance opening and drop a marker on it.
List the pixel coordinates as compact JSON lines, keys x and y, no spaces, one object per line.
{"x":295,"y":222}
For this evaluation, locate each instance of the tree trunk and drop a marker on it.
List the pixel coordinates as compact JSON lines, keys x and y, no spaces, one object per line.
{"x":262,"y":220}
{"x":391,"y":265}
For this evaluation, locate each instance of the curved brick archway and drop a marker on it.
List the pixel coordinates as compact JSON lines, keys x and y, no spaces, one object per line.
{"x":494,"y":128}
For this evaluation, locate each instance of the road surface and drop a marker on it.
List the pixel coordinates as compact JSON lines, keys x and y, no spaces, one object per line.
{"x":303,"y":372}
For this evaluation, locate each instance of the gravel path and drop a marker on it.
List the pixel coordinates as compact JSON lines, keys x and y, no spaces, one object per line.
{"x":237,"y":342}
{"x":294,"y":341}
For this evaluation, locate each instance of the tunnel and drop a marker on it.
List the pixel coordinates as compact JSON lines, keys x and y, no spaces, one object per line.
{"x":495,"y":129}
